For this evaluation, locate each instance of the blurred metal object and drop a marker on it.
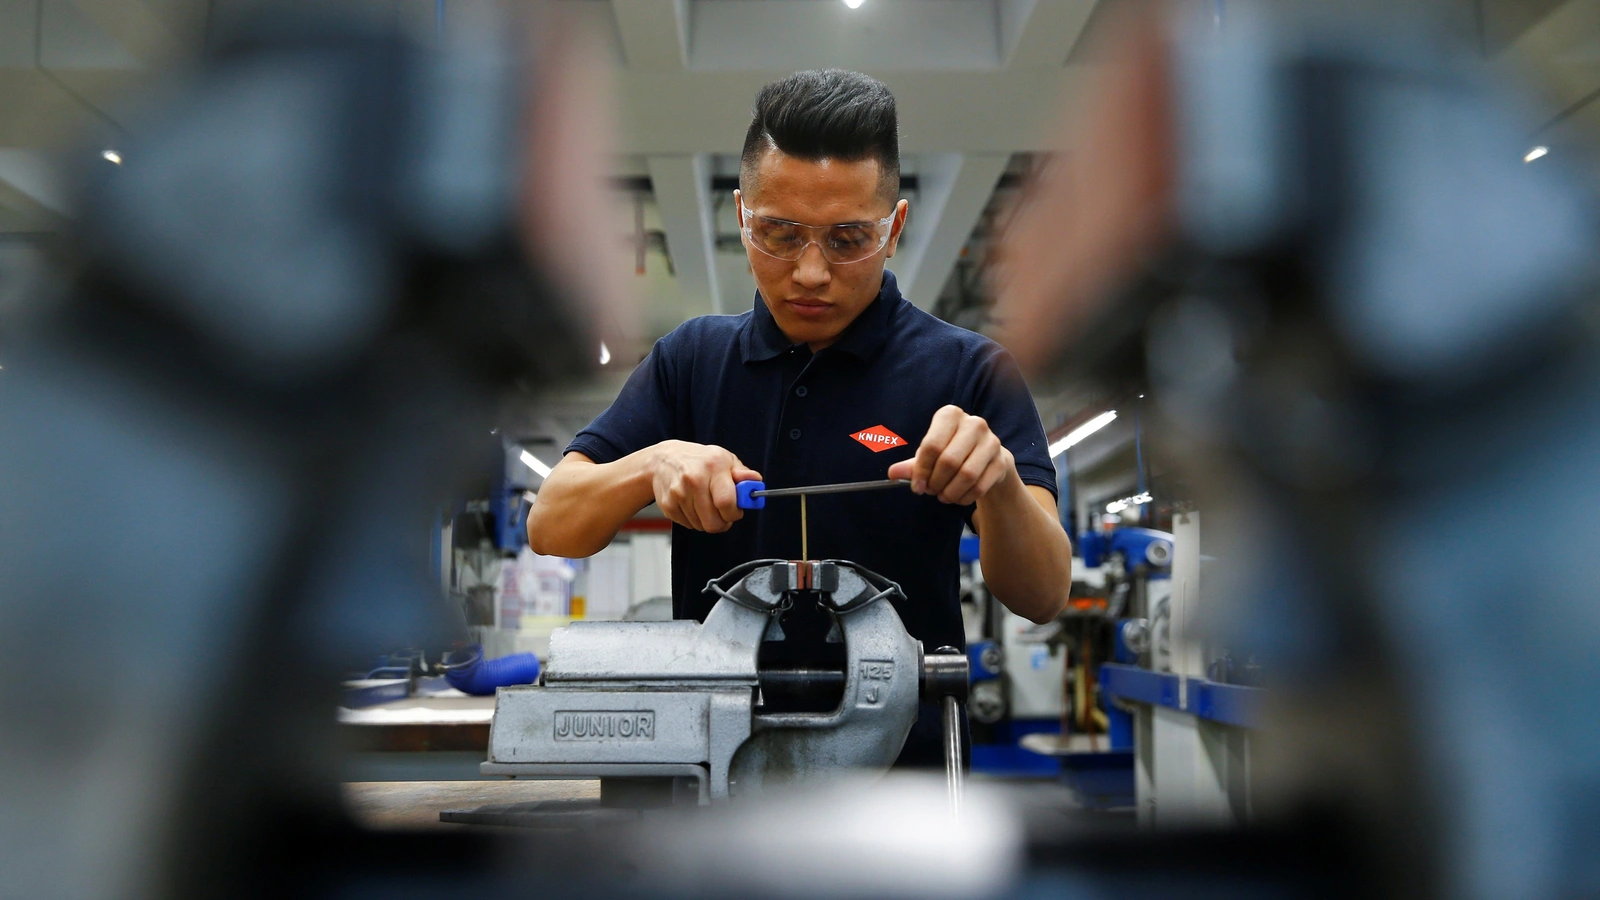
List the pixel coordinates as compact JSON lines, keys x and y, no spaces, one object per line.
{"x":848,"y":837}
{"x":312,"y":277}
{"x":1136,"y":634}
{"x":1368,"y":328}
{"x":993,"y":658}
{"x":988,"y":702}
{"x":953,"y":775}
{"x":650,"y":609}
{"x":628,"y":700}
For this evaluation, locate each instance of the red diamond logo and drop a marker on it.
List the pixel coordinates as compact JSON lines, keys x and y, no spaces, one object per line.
{"x":878,"y":439}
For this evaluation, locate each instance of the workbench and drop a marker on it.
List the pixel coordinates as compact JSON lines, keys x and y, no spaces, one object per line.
{"x":442,"y":737}
{"x":417,"y":805}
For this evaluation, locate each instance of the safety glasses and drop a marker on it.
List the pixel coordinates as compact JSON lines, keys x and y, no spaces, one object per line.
{"x":840,"y":244}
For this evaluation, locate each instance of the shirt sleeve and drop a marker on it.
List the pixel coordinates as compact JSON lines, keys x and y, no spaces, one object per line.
{"x":1000,"y":395}
{"x":642,"y":414}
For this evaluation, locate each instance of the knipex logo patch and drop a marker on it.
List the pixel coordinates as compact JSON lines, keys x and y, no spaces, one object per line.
{"x":878,"y":439}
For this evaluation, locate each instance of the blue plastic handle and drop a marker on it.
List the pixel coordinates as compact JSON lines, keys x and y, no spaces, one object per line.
{"x":479,"y":677}
{"x":745,"y":489}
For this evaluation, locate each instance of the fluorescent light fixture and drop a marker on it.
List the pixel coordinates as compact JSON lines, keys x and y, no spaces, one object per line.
{"x":111,"y":156}
{"x":1535,"y":153}
{"x":1117,"y":506}
{"x":854,"y":4}
{"x":536,"y":464}
{"x":1081,"y":432}
{"x":605,"y":353}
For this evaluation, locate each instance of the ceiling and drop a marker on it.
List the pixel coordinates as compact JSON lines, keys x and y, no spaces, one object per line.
{"x":977,"y":82}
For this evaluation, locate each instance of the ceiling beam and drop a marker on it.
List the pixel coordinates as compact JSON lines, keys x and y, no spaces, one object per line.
{"x":28,"y":185}
{"x":893,"y":35}
{"x":1500,"y":23}
{"x":654,"y":34}
{"x":954,"y":189}
{"x":134,"y":25}
{"x":28,"y":213}
{"x":962,"y":112}
{"x":1555,"y":49}
{"x":1041,"y":33}
{"x":36,"y":111}
{"x":681,"y":186}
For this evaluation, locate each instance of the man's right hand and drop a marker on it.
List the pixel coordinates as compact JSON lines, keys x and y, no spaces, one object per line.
{"x":694,"y":485}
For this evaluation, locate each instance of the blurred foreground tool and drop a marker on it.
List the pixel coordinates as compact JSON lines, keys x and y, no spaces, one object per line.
{"x":1368,"y":330}
{"x":317,"y":269}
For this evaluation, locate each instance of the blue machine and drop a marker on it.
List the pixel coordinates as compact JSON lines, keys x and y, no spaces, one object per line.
{"x":968,"y":550}
{"x":1138,"y":546}
{"x":509,"y":512}
{"x":998,"y":752}
{"x":1120,"y":721}
{"x":1134,"y":552}
{"x":983,"y":659}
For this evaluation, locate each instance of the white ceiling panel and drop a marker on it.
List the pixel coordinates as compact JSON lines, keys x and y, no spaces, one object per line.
{"x":886,"y":35}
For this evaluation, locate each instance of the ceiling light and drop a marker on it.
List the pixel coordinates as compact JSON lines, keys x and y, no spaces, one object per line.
{"x":536,"y":464}
{"x":605,"y":353}
{"x":854,"y":4}
{"x":1535,"y":153}
{"x":1081,"y":432}
{"x":1139,"y":499}
{"x":111,"y":156}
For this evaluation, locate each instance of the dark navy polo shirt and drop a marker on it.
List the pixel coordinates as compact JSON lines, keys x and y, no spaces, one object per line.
{"x":844,"y":413}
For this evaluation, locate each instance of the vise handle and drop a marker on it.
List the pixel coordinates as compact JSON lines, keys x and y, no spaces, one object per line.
{"x":946,"y":676}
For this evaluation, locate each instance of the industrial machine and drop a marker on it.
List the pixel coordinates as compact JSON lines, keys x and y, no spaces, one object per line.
{"x":1134,"y":569}
{"x":1036,"y":703}
{"x":691,"y":705}
{"x":1134,"y":561}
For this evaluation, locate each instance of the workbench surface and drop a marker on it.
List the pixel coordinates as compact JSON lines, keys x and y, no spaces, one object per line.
{"x":422,"y":723}
{"x":411,"y":805}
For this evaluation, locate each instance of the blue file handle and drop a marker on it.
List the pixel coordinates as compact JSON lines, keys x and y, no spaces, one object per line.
{"x":746,"y":489}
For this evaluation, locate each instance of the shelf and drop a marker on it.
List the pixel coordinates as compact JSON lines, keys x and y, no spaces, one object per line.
{"x":1229,"y":704}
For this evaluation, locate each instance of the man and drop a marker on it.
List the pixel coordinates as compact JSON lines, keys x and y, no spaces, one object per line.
{"x":830,"y":378}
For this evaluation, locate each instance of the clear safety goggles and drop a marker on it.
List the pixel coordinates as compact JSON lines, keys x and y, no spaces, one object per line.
{"x":847,"y":243}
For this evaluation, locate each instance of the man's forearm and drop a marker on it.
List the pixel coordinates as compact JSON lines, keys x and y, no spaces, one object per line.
{"x":1026,"y":556}
{"x":583,"y":504}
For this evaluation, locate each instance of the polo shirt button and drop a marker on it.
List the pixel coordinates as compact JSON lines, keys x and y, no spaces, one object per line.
{"x":794,"y":434}
{"x":800,"y":391}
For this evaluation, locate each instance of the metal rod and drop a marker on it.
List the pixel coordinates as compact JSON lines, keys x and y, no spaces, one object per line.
{"x":833,"y":488}
{"x":952,"y":752}
{"x":805,"y":549}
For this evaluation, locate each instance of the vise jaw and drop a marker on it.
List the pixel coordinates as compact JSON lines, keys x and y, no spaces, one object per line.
{"x":679,"y":699}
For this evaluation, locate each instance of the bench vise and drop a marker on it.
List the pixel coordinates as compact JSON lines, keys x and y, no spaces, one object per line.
{"x":688,"y":701}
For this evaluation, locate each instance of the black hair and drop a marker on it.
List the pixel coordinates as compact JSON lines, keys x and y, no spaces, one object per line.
{"x":826,"y":114}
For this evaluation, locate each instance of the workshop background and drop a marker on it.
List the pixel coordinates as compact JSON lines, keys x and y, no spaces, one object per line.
{"x":1124,"y":712}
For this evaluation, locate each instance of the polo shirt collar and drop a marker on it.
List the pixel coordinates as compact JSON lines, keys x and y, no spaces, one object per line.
{"x":763,"y":339}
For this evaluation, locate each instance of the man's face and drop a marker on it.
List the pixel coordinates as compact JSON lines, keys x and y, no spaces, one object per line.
{"x":814,"y":300}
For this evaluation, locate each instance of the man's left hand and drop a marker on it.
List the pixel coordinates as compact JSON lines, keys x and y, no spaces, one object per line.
{"x":959,"y":459}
